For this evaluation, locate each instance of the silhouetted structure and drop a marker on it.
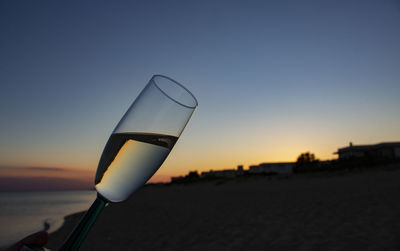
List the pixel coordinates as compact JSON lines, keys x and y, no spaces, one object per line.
{"x":240,"y":170}
{"x":227,"y":173}
{"x":191,"y":177}
{"x":351,"y":157}
{"x":388,"y":151}
{"x":280,"y":168}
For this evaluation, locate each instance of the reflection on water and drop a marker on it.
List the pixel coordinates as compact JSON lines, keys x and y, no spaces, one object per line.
{"x":26,"y":212}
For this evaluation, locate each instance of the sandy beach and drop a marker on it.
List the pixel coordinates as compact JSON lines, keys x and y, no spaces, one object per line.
{"x":343,"y":211}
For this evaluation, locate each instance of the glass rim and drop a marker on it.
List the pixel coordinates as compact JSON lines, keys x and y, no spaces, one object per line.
{"x":177,"y":83}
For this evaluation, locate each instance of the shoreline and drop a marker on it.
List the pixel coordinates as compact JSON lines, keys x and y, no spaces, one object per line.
{"x":23,"y":213}
{"x":330,"y":211}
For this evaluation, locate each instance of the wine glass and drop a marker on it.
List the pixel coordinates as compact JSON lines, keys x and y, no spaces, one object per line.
{"x":137,"y":147}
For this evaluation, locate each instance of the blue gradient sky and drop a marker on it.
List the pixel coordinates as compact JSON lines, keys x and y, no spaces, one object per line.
{"x":273,"y":78}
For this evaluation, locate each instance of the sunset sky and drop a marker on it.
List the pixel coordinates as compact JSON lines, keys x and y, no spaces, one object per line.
{"x":272,"y":78}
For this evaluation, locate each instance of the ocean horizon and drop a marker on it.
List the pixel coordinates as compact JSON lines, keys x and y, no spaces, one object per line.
{"x":27,"y":212}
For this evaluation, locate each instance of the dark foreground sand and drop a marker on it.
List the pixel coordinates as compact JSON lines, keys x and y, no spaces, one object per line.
{"x":354,"y":211}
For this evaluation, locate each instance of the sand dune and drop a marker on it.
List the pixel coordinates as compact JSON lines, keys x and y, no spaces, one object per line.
{"x":356,"y":211}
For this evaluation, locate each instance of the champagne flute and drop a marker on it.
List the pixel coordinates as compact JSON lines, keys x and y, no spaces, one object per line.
{"x":137,"y":147}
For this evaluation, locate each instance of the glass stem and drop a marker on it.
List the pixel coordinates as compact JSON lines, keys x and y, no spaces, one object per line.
{"x":80,"y":232}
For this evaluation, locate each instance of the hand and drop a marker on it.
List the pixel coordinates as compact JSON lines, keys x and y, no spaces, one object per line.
{"x":38,"y":239}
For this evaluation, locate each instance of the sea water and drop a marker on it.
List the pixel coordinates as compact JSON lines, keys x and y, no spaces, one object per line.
{"x":23,"y":213}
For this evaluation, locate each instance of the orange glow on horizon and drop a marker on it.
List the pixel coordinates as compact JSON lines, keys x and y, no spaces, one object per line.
{"x":81,"y":174}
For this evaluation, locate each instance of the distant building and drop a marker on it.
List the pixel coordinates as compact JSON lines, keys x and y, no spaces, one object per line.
{"x":227,"y":173}
{"x":219,"y":174}
{"x":207,"y":174}
{"x":240,"y":170}
{"x":283,"y":168}
{"x":389,"y":150}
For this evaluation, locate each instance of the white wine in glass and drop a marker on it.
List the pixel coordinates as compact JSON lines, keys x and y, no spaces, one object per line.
{"x":137,"y":147}
{"x":115,"y":177}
